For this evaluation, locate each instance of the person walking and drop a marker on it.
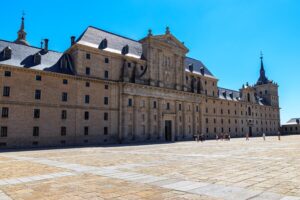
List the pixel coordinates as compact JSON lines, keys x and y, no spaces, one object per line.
{"x":264,"y":136}
{"x":279,"y":135}
{"x":247,"y":136}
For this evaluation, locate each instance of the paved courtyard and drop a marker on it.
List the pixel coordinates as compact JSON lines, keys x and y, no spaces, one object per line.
{"x":235,"y":169}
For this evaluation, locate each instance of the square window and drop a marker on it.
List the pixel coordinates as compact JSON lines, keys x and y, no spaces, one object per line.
{"x":65,"y":81}
{"x":3,"y":131}
{"x":38,"y":77}
{"x":7,"y":73}
{"x":129,"y":65}
{"x":63,"y":141}
{"x":106,"y":87}
{"x":35,"y":143}
{"x":36,"y":113}
{"x":37,"y":94}
{"x":5,"y":112}
{"x":87,"y":71}
{"x":87,"y":84}
{"x":88,"y":56}
{"x":106,"y":60}
{"x":6,"y":91}
{"x":105,"y":100}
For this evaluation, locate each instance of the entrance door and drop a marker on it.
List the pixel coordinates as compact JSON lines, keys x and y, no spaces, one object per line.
{"x":168,"y":130}
{"x":250,"y":131}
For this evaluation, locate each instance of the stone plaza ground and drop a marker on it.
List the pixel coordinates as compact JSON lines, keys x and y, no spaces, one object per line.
{"x":236,"y":169}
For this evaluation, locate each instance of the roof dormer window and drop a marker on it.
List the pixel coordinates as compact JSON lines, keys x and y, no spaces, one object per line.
{"x":125,"y":50}
{"x":103,"y":44}
{"x":6,"y":53}
{"x":191,"y":67}
{"x":37,"y":58}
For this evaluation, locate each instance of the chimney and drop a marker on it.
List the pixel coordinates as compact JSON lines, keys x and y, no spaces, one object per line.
{"x":72,"y":40}
{"x":46,"y":45}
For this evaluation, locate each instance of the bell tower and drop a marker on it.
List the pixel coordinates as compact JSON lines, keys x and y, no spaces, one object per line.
{"x":265,"y":88}
{"x":21,"y":33}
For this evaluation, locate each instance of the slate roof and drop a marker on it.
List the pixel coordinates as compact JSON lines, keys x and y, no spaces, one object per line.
{"x":228,"y":94}
{"x":115,"y":43}
{"x":23,"y":56}
{"x":292,"y":121}
{"x":197,"y":64}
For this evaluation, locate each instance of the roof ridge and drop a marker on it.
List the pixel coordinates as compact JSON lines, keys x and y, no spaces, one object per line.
{"x":114,"y":34}
{"x":228,"y":89}
{"x":29,"y":46}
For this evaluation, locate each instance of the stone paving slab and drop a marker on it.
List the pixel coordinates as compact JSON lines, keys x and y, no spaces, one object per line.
{"x":237,"y":169}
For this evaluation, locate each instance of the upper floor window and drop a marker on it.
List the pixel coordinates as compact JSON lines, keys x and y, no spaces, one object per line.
{"x":248,"y":97}
{"x":86,"y":115}
{"x":87,"y":71}
{"x":88,"y":56}
{"x":87,"y":84}
{"x":5,"y":112}
{"x":168,"y":106}
{"x":63,"y":114}
{"x":129,"y":64}
{"x":106,"y":87}
{"x":64,"y":96}
{"x":154,"y":104}
{"x":38,"y":94}
{"x":105,"y":116}
{"x":105,"y":74}
{"x":65,"y":81}
{"x":6,"y":91}
{"x":87,"y":99}
{"x":129,"y":102}
{"x":179,"y":106}
{"x":7,"y":73}
{"x":38,"y":77}
{"x":106,"y":60}
{"x":86,"y":130}
{"x":36,"y":113}
{"x":105,"y":100}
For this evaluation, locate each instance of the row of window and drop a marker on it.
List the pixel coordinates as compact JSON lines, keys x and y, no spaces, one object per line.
{"x":38,"y":95}
{"x":63,"y":131}
{"x":154,"y":105}
{"x":88,"y":57}
{"x":64,"y":81}
{"x":36,"y":114}
{"x":242,"y":121}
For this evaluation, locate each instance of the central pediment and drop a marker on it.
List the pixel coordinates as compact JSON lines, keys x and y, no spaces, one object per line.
{"x":167,"y":40}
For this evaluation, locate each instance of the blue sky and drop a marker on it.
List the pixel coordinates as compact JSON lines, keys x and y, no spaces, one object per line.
{"x":226,"y":35}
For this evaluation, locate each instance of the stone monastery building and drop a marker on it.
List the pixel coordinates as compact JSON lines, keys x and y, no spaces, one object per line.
{"x":106,"y":88}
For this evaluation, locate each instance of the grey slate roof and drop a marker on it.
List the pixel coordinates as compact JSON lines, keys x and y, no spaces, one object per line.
{"x":197,"y":64}
{"x":23,"y":56}
{"x":228,"y":94}
{"x":93,"y":37}
{"x":292,"y":121}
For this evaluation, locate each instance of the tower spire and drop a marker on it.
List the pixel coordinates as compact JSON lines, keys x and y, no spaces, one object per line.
{"x":262,"y":78}
{"x":21,"y":33}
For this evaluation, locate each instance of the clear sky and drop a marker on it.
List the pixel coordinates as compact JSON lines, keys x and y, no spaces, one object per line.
{"x":226,"y":35}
